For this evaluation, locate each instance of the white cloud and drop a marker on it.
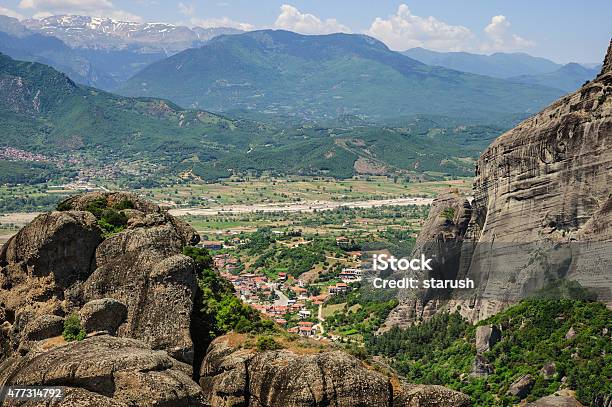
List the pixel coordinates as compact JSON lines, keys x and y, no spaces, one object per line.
{"x":499,"y":37}
{"x":221,"y":22}
{"x":97,"y":8}
{"x":11,"y":13}
{"x":405,"y":30}
{"x":189,"y":10}
{"x":292,"y":19}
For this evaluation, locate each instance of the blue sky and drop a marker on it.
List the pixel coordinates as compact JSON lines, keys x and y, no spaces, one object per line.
{"x":561,"y":30}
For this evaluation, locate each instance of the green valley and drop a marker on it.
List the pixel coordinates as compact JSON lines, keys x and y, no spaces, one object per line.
{"x":87,"y":134}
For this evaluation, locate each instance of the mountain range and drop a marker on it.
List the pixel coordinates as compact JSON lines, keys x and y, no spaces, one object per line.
{"x":42,"y":111}
{"x":516,"y":67}
{"x":105,"y":53}
{"x":281,"y":72}
{"x":97,"y":52}
{"x":498,"y":65}
{"x":109,"y":34}
{"x":568,"y":78}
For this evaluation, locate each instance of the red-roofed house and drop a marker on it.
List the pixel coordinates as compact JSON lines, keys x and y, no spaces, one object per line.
{"x":306,"y":328}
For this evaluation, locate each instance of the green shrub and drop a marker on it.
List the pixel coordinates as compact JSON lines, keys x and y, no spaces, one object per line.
{"x":64,"y":206}
{"x":114,"y":218}
{"x":231,"y":311}
{"x":448,"y":214}
{"x":266,"y":342}
{"x":125,"y":204}
{"x":97,"y":206}
{"x":201,"y":256}
{"x":219,"y":308}
{"x":73,"y":331}
{"x":112,"y":221}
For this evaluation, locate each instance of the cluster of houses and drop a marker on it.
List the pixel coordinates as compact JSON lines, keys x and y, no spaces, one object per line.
{"x":264,"y":294}
{"x":226,"y":262}
{"x":251,"y":288}
{"x":220,"y":244}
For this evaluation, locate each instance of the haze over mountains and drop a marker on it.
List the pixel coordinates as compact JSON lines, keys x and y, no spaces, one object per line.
{"x":100,"y":52}
{"x":498,"y":65}
{"x":569,"y":77}
{"x":516,"y":67}
{"x":282,"y":72}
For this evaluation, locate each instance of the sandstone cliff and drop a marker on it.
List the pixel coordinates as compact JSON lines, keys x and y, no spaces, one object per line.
{"x":60,"y":261}
{"x":541,"y":213}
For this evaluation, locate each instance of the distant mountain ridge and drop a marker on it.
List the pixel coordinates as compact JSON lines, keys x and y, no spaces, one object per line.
{"x":109,"y":34}
{"x":568,"y":78}
{"x":498,"y":65}
{"x":97,"y":52}
{"x":281,"y":72}
{"x":103,"y":69}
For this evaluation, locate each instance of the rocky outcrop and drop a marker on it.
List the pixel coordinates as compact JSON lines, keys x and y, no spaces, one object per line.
{"x":61,"y":244}
{"x":440,"y":239}
{"x":541,"y":212}
{"x":105,"y":315}
{"x":415,"y":395}
{"x":486,"y":337}
{"x":143,"y":268}
{"x":234,"y":376}
{"x":109,"y":371}
{"x":521,"y":386}
{"x":538,"y":189}
{"x":135,"y":284}
{"x":555,"y":401}
{"x":61,"y":261}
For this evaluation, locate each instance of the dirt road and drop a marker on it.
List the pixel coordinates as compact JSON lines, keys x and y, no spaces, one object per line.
{"x":299,"y":206}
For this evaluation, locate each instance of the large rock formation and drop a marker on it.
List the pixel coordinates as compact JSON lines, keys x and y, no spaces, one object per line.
{"x":106,"y":370}
{"x":233,"y":376}
{"x":441,"y":239}
{"x":61,"y":260}
{"x":60,"y":244}
{"x":541,"y":213}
